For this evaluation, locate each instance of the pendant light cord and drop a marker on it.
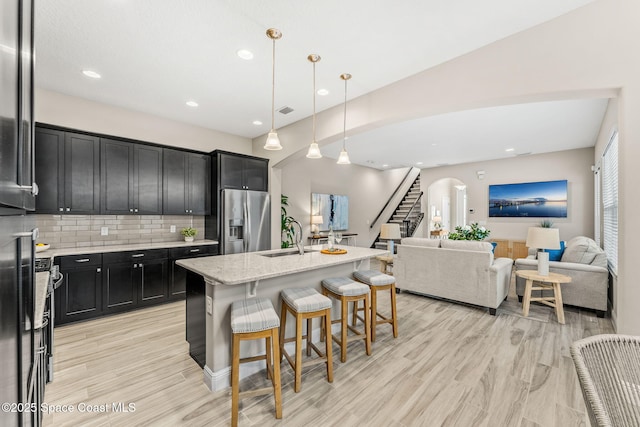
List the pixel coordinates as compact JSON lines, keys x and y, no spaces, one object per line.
{"x":344,"y":127}
{"x":314,"y":102}
{"x":273,"y":86}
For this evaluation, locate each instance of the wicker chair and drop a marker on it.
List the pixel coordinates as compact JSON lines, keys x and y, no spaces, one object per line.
{"x":608,"y":368}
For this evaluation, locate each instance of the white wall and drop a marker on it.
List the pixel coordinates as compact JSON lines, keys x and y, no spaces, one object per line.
{"x":77,"y":113}
{"x":368,"y":190}
{"x":572,"y":165}
{"x":589,"y":52}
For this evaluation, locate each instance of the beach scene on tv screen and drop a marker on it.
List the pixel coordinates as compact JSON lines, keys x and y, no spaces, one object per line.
{"x":530,"y":199}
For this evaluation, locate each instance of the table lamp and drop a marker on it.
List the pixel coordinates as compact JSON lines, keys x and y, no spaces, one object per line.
{"x":543,"y":238}
{"x":390,"y":232}
{"x":315,"y":220}
{"x":437,"y":222}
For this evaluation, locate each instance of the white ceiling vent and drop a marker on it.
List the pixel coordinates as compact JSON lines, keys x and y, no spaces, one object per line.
{"x":285,"y":110}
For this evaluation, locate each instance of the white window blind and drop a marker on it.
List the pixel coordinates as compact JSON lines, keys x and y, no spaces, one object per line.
{"x":597,"y":216}
{"x":610,"y":201}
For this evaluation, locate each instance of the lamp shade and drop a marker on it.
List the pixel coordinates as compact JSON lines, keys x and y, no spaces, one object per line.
{"x":316,"y":219}
{"x":390,"y":231}
{"x":437,"y":219}
{"x":543,"y":238}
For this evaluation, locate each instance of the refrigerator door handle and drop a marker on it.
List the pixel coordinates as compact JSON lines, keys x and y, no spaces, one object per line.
{"x":247,"y":227}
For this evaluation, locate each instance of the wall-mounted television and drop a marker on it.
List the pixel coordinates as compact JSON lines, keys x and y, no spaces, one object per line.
{"x":547,"y":199}
{"x":334,"y":209}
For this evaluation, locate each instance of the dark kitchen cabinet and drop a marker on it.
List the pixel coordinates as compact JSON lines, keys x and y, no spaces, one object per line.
{"x":79,"y":297}
{"x":67,"y":172}
{"x":186,"y":183}
{"x":134,"y":278}
{"x":241,"y":172}
{"x":178,"y":275}
{"x":131,"y":178}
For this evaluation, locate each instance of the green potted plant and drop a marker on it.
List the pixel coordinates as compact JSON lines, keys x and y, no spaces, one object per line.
{"x":188,"y":233}
{"x":470,"y":232}
{"x":285,"y":223}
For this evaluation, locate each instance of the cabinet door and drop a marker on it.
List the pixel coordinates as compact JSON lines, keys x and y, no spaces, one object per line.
{"x":178,"y":275}
{"x":231,"y":172}
{"x":147,"y":180}
{"x":50,"y":170}
{"x":120,"y":286}
{"x":153,"y":281}
{"x":174,"y":198}
{"x":116,"y":177}
{"x":79,"y":296}
{"x":256,"y":172}
{"x":198,"y":184}
{"x":82,"y":174}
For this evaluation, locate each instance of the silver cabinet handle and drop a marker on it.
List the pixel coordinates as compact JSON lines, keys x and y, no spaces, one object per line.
{"x":194,"y":250}
{"x":61,"y":209}
{"x":98,"y":270}
{"x":83,"y":260}
{"x":137,"y":255}
{"x":135,"y":210}
{"x":131,"y":210}
{"x":68,"y":209}
{"x":33,"y":188}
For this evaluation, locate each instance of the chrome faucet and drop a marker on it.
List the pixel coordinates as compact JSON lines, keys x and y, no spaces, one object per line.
{"x":298,"y":237}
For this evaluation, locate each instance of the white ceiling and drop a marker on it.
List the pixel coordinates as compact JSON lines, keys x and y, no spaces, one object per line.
{"x":154,"y":55}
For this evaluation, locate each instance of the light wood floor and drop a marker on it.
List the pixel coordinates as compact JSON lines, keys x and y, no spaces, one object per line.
{"x":451,"y":365}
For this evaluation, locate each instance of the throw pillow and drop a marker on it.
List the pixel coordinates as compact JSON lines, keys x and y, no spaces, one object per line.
{"x":581,"y":250}
{"x":556,"y":254}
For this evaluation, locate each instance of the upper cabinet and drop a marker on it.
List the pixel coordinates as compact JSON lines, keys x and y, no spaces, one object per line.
{"x":67,"y":168}
{"x":131,"y":178}
{"x":186,"y":183}
{"x":237,"y":171}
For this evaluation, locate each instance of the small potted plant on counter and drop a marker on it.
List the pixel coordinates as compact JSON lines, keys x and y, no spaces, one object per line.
{"x":189,"y":234}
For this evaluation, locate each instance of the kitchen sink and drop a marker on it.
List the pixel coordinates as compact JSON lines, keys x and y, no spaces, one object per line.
{"x":288,"y":253}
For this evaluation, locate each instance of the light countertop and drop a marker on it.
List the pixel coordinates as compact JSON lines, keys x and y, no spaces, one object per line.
{"x":248,"y":267}
{"x":53,"y":252}
{"x":41,"y":286}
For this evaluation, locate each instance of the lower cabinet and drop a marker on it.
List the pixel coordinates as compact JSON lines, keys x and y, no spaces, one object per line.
{"x":134,"y":278}
{"x":79,"y":296}
{"x":178,"y":282}
{"x":98,"y":284}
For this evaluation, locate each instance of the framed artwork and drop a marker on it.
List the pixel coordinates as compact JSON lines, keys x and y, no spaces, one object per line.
{"x":547,"y":199}
{"x":334,"y":209}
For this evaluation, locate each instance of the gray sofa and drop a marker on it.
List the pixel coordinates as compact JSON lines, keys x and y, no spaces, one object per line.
{"x":464,"y":271}
{"x":586,"y":263}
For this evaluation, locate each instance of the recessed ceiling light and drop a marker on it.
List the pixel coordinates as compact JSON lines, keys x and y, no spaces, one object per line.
{"x":434,"y":144}
{"x":192,"y":103}
{"x":91,"y":74}
{"x":385,"y":166}
{"x":323,"y":92}
{"x":257,"y":122}
{"x":418,"y":163}
{"x":245,"y":54}
{"x":508,"y":150}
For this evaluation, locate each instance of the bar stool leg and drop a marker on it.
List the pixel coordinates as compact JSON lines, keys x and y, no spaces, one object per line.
{"x":343,"y":332}
{"x":298,"y":371}
{"x":328,"y":346}
{"x":309,"y":330}
{"x":394,"y":314}
{"x":276,"y":372}
{"x":235,"y":376}
{"x":374,"y":312}
{"x":367,"y":324}
{"x":283,"y":328}
{"x":267,"y":347}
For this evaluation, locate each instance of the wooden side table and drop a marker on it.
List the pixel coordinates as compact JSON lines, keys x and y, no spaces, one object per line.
{"x":386,"y":264}
{"x":550,"y":282}
{"x":438,"y":234}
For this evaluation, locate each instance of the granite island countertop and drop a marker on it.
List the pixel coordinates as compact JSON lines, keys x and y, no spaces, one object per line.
{"x":248,"y":267}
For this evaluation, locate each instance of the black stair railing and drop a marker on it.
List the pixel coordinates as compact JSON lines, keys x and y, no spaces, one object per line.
{"x":390,"y":198}
{"x":410,"y":222}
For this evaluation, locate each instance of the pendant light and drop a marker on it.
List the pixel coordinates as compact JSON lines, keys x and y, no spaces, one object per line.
{"x":343,"y":159}
{"x":314,"y":150}
{"x":273,"y":142}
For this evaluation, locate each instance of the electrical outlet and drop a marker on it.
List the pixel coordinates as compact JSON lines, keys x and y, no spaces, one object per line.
{"x":104,"y":231}
{"x":209,"y":305}
{"x":172,"y":229}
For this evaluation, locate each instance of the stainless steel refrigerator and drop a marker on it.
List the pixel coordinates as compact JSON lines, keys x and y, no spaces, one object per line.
{"x":245,"y":221}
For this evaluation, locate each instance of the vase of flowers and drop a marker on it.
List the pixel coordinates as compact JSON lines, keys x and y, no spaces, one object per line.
{"x":470,"y":232}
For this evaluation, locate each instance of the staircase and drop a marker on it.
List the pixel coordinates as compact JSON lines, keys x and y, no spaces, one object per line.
{"x":408,"y":214}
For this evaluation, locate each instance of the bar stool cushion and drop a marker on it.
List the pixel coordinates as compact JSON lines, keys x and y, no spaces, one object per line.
{"x":374,"y":277}
{"x":305,"y":300}
{"x":253,"y":315}
{"x":345,"y":286}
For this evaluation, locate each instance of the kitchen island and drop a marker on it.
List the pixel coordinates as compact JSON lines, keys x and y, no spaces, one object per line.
{"x":227,"y":278}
